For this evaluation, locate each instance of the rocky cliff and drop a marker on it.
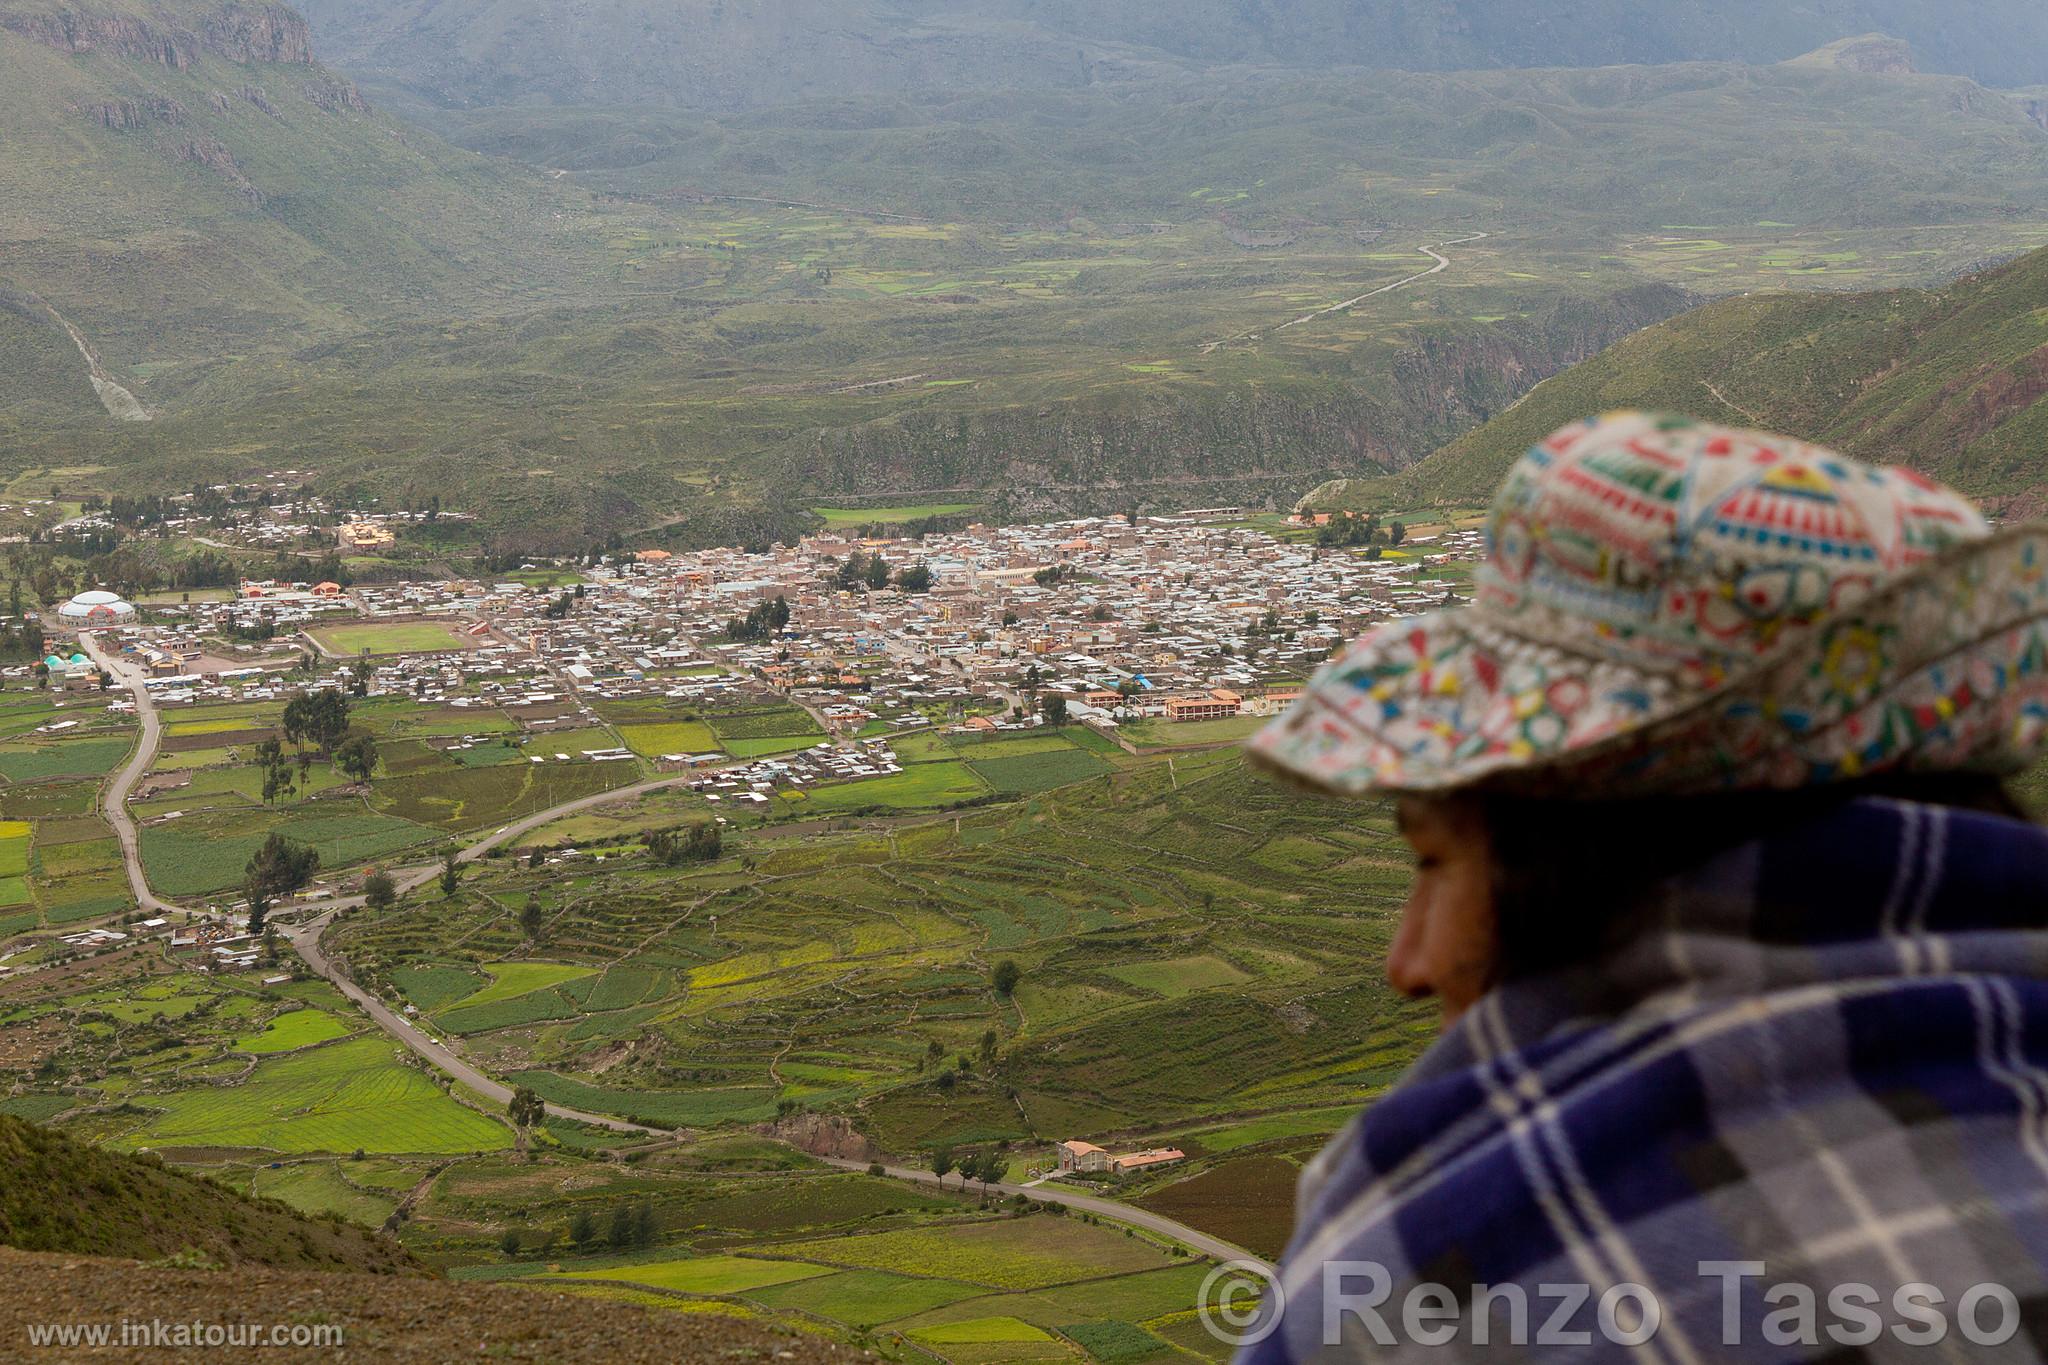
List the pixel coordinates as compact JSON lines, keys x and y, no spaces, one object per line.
{"x":1251,"y":444}
{"x":256,"y":32}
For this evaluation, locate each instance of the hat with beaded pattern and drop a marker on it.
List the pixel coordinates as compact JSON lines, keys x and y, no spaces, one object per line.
{"x":1670,"y":607}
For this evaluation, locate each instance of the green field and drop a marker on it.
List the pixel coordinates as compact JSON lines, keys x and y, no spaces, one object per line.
{"x":1031,"y":772}
{"x":331,"y":1099}
{"x":1175,"y":977}
{"x":24,"y":762}
{"x":204,"y":854}
{"x":710,"y":1274}
{"x":655,"y":738}
{"x":512,"y":979}
{"x":1028,"y":1254}
{"x":920,"y":786}
{"x":980,"y":1331}
{"x":300,"y":1028}
{"x":390,"y":637}
{"x":864,"y":1298}
{"x":865,"y":516}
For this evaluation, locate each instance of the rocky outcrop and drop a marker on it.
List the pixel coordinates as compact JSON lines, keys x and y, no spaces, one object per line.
{"x":335,"y":95}
{"x":125,"y":115}
{"x":238,"y":32}
{"x":258,"y":33}
{"x":2034,"y":107}
{"x":213,"y":154}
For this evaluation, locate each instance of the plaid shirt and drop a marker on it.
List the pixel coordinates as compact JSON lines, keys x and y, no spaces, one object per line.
{"x":1830,"y":1056}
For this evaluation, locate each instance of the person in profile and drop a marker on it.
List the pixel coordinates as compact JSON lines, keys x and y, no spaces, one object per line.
{"x":1741,"y":945}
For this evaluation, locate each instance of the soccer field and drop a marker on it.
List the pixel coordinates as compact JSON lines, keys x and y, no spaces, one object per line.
{"x":390,"y":637}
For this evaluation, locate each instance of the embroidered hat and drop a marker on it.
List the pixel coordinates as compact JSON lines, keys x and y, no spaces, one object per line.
{"x":1669,"y":607}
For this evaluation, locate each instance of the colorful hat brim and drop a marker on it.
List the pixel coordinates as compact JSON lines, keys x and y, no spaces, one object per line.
{"x":1943,"y":668}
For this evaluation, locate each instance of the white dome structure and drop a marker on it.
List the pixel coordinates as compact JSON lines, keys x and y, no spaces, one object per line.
{"x":98,"y":607}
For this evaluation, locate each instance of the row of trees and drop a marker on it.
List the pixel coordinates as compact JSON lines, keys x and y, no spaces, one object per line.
{"x":314,"y":723}
{"x":697,"y":843}
{"x":1355,"y":529}
{"x":764,"y":622}
{"x":872,"y":572}
{"x":987,"y":1166}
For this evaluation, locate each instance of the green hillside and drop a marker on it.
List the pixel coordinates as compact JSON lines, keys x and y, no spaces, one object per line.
{"x":1950,"y":381}
{"x":741,"y":54}
{"x":57,"y":1194}
{"x":182,"y":183}
{"x":1594,"y":151}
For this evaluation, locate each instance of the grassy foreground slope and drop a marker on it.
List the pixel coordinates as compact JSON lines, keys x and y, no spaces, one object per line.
{"x":57,"y":1194}
{"x":1949,"y":381}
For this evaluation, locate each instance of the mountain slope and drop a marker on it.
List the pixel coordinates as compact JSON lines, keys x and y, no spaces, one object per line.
{"x":742,"y":54}
{"x":61,"y":1195}
{"x":1950,"y":381}
{"x":182,"y":182}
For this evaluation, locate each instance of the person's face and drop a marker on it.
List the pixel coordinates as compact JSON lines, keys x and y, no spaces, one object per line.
{"x":1446,"y":943}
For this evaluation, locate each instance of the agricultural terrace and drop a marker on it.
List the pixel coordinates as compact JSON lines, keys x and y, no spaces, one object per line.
{"x":281,"y":1092}
{"x":1197,"y":950}
{"x":443,"y":771}
{"x":59,"y":863}
{"x":133,"y":1053}
{"x":354,"y":638}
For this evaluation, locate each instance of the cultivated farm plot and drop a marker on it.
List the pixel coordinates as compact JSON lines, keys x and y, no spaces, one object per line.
{"x":335,"y":1098}
{"x":208,"y":853}
{"x":513,"y":979}
{"x":471,"y":798}
{"x":1175,"y":977}
{"x":430,"y":987}
{"x":14,"y":855}
{"x":708,"y":1274}
{"x":1009,"y":1253}
{"x":701,"y":1108}
{"x":920,"y":786}
{"x":300,"y":1028}
{"x":24,"y":761}
{"x":1032,"y":772}
{"x":868,"y":1298}
{"x":652,"y":739}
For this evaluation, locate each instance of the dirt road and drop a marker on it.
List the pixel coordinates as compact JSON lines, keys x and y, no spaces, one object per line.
{"x":114,"y":801}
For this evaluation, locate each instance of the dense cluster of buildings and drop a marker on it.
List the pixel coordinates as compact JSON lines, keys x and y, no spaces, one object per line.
{"x":1164,"y":619}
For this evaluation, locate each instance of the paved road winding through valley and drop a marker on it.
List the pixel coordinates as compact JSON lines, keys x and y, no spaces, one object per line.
{"x":305,"y":940}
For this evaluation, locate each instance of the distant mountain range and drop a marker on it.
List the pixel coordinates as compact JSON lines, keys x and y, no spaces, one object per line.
{"x":1951,"y":381}
{"x":725,"y":55}
{"x":218,"y":258}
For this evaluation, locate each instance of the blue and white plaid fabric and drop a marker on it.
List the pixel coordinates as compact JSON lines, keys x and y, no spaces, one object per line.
{"x":1831,"y":1058}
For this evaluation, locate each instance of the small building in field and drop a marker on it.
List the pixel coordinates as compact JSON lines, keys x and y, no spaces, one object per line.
{"x":1076,"y":1155}
{"x":1086,"y":1158}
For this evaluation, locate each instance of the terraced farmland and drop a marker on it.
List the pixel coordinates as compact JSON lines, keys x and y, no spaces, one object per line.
{"x":331,"y":1099}
{"x":1194,"y":945}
